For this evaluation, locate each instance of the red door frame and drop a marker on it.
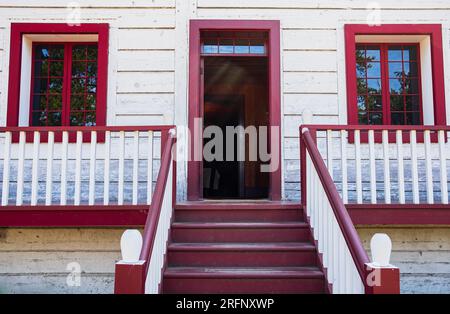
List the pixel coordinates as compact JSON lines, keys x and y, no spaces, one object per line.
{"x":272,"y":27}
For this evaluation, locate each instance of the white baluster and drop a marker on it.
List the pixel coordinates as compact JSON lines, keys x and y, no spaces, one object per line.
{"x":92,"y":167}
{"x":64,"y":147}
{"x":107,"y":168}
{"x":78,"y":160}
{"x":344,"y":166}
{"x":121,"y":166}
{"x":150,"y":167}
{"x":387,"y":170}
{"x":443,"y":171}
{"x":330,"y":152}
{"x":359,"y":199}
{"x":6,"y":168}
{"x":135,"y":167}
{"x":414,"y":168}
{"x":428,"y":167}
{"x":49,"y":176}
{"x":35,"y":168}
{"x":20,"y":169}
{"x":401,"y":173}
{"x":373,"y":174}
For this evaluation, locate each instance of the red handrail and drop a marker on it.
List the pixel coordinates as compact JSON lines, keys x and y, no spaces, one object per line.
{"x":151,"y":223}
{"x":351,"y":237}
{"x":58,"y":129}
{"x":335,"y":127}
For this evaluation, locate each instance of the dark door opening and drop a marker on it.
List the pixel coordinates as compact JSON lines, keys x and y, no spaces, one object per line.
{"x":235,"y":94}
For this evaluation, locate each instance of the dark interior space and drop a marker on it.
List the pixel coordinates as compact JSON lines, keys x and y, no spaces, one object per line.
{"x":235,"y":94}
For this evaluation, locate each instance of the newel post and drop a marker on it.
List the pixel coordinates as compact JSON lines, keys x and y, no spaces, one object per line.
{"x":382,"y":277}
{"x":129,"y":275}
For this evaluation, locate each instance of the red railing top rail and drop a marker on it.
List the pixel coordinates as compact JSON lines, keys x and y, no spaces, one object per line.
{"x":59,"y":129}
{"x":349,"y":232}
{"x":337,"y":127}
{"x":152,"y":221}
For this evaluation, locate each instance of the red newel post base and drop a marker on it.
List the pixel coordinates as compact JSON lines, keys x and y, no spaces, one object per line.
{"x":129,"y":278}
{"x":383,"y":280}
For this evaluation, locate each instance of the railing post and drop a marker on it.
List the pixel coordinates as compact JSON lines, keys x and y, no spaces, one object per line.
{"x":383,"y":279}
{"x":129,"y":278}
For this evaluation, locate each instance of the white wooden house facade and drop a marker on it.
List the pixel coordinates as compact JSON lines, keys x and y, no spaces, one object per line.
{"x":73,"y":179}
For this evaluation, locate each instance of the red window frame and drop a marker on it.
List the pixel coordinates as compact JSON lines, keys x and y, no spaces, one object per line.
{"x":437,"y":62}
{"x":15,"y":66}
{"x":386,"y":78}
{"x":67,"y":79}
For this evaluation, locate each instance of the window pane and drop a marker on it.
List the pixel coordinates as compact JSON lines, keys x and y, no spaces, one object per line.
{"x":57,"y":52}
{"x":410,"y":53}
{"x":40,"y":102}
{"x":362,"y":103}
{"x":395,"y":53}
{"x":55,"y":86}
{"x":39,"y":118}
{"x":374,"y":86}
{"x":395,"y":70}
{"x":77,"y":118}
{"x":210,"y":46}
{"x":226,"y":46}
{"x":397,"y":103}
{"x":92,"y":68}
{"x":374,"y":103}
{"x":55,"y":102}
{"x":79,"y":69}
{"x":411,"y":86}
{"x":373,"y":53}
{"x":41,"y":68}
{"x":362,"y":86}
{"x":57,"y":68}
{"x":413,"y":118}
{"x":40,"y":86}
{"x":90,"y":118}
{"x":54,"y":119}
{"x":77,"y":102}
{"x":257,"y":47}
{"x":362,"y":117}
{"x":241,"y":46}
{"x":91,"y":101}
{"x":92,"y":52}
{"x":373,"y":69}
{"x":376,"y":118}
{"x":411,"y":69}
{"x":412,"y":103}
{"x":78,"y":86}
{"x":397,"y":118}
{"x":79,"y":53}
{"x":395,"y":86}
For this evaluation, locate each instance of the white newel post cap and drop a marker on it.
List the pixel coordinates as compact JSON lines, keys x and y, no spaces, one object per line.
{"x":381,"y":247}
{"x":131,"y":245}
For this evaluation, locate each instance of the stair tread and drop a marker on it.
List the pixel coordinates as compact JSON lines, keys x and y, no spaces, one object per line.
{"x":244,"y":272}
{"x":232,"y":246}
{"x":281,"y":224}
{"x":237,"y":205}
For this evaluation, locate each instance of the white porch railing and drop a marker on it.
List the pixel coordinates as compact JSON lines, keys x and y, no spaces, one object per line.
{"x":343,"y":254}
{"x":387,"y":164}
{"x":78,"y":165}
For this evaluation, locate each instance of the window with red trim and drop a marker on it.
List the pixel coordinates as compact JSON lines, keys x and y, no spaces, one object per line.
{"x":64,"y":84}
{"x":388,"y":84}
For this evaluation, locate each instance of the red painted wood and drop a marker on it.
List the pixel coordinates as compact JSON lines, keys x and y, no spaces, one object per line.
{"x":152,"y":220}
{"x":399,"y":214}
{"x":240,"y":232}
{"x":340,"y":212}
{"x":242,"y":254}
{"x":216,"y":280}
{"x":129,"y":279}
{"x":17,"y":32}
{"x":73,"y":216}
{"x":273,"y":28}
{"x":435,"y":33}
{"x":389,"y":280}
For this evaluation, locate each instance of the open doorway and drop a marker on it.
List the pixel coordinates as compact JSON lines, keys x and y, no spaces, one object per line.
{"x":235,"y":94}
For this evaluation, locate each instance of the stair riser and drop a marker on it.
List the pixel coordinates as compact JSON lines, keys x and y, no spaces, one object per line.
{"x":263,"y":215}
{"x":208,"y":235}
{"x":242,"y":258}
{"x":251,"y":285}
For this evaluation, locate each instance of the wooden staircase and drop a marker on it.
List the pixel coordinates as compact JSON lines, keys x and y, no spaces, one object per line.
{"x":257,"y":247}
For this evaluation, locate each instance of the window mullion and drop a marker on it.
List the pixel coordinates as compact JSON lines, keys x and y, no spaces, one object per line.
{"x":67,"y":84}
{"x":385,"y":84}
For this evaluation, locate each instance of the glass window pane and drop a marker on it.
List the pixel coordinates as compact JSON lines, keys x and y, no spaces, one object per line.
{"x":257,"y":47}
{"x":210,"y":46}
{"x":41,"y":52}
{"x":376,"y":118}
{"x":362,"y":103}
{"x":92,"y":52}
{"x":78,"y":86}
{"x":41,"y":68}
{"x":411,"y":69}
{"x":79,"y":69}
{"x":360,"y":70}
{"x":39,"y":118}
{"x":226,"y":46}
{"x":92,"y":69}
{"x":373,"y":69}
{"x":54,"y":119}
{"x":362,"y":86}
{"x":77,"y":118}
{"x":55,"y":86}
{"x":39,"y":102}
{"x":397,"y":103}
{"x":57,"y":68}
{"x":413,"y":118}
{"x":56,"y":52}
{"x":374,"y":86}
{"x":79,"y":53}
{"x":375,"y":103}
{"x":91,"y":101}
{"x":241,"y":46}
{"x":395,"y":70}
{"x":40,"y":86}
{"x":411,"y":86}
{"x":373,"y":53}
{"x":77,"y":102}
{"x":395,"y":53}
{"x":395,"y":86}
{"x":412,"y":103}
{"x":90,"y":118}
{"x":397,"y":118}
{"x":362,"y":117}
{"x":410,"y":53}
{"x":55,"y":102}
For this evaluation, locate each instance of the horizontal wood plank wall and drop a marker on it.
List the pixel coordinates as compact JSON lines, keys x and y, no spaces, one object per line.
{"x":421,"y":253}
{"x":143,"y":42}
{"x":36,"y":260}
